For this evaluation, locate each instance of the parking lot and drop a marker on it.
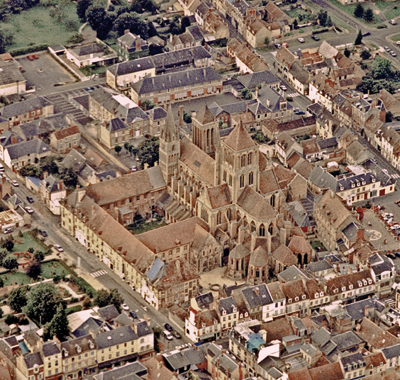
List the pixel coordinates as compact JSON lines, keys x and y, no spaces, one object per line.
{"x":44,"y":73}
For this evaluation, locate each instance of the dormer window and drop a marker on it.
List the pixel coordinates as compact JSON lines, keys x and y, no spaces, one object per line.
{"x":343,"y":288}
{"x":350,"y":286}
{"x":369,"y":281}
{"x":303,"y":297}
{"x":289,"y":300}
{"x":246,"y":314}
{"x":352,"y":184}
{"x":316,"y":295}
{"x":321,"y":294}
{"x":335,"y":290}
{"x":359,"y":283}
{"x":296,"y":299}
{"x":241,"y":315}
{"x":373,"y":179}
{"x":234,"y":310}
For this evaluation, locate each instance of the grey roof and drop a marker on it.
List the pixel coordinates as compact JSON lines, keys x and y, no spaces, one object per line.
{"x":320,"y":337}
{"x":35,"y":146}
{"x":299,"y":214}
{"x":78,"y":345}
{"x":356,"y":310}
{"x":90,"y":324}
{"x":315,"y":109}
{"x":228,"y":304}
{"x":157,"y":113}
{"x":116,"y":124}
{"x":10,"y":73}
{"x":11,"y":341}
{"x":108,"y":312}
{"x":318,"y":266}
{"x":176,"y":359}
{"x":274,"y":373}
{"x":88,"y":49}
{"x":73,"y":160}
{"x":196,"y":33}
{"x":143,"y":329}
{"x":204,"y":300}
{"x":391,"y":352}
{"x":227,"y":364}
{"x":274,"y":99}
{"x":251,"y":81}
{"x":381,"y":263}
{"x":175,"y":80}
{"x":32,"y":360}
{"x":346,"y":340}
{"x":24,"y":107}
{"x":118,"y":336}
{"x":194,"y":356}
{"x":50,"y":349}
{"x":350,"y":231}
{"x":328,"y":143}
{"x":353,"y":359}
{"x":156,"y":269}
{"x":130,"y":371}
{"x":130,"y":39}
{"x":108,"y":174}
{"x":123,"y":319}
{"x":155,"y":177}
{"x":309,"y":349}
{"x":299,"y":72}
{"x":50,"y":183}
{"x":291,"y":274}
{"x":257,"y":295}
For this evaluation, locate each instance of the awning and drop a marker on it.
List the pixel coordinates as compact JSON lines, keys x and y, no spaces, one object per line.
{"x":118,"y":360}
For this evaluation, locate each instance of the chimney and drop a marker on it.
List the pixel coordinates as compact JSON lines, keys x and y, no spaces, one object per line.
{"x":180,"y":116}
{"x":146,"y":166}
{"x":45,"y":174}
{"x":267,"y":103}
{"x":156,"y":163}
{"x":360,"y":234}
{"x":81,"y":194}
{"x":178,"y":265}
{"x":60,"y":184}
{"x":257,"y":291}
{"x":282,"y":235}
{"x":14,"y":139}
{"x":257,"y":91}
{"x":242,"y":230}
{"x":253,"y":241}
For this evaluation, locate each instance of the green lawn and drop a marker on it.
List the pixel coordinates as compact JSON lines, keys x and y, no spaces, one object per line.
{"x":35,"y":27}
{"x":395,"y":37}
{"x":317,"y":244}
{"x":146,"y":227}
{"x":349,"y":9}
{"x":49,"y":269}
{"x":392,"y":13}
{"x":382,"y":5}
{"x":27,"y":241}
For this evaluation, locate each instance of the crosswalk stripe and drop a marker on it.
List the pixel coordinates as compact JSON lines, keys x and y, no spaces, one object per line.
{"x":98,"y":273}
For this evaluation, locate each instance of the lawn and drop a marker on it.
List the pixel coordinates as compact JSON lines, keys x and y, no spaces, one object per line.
{"x":36,"y":27}
{"x":395,"y":37}
{"x":27,"y":241}
{"x":146,"y":227}
{"x":382,"y":5}
{"x":49,"y":269}
{"x":317,"y":245}
{"x":349,"y":9}
{"x":392,"y":13}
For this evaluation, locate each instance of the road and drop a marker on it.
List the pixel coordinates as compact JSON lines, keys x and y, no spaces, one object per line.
{"x":43,"y":219}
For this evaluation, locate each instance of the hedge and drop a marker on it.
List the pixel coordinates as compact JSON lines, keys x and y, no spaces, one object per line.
{"x":73,"y":309}
{"x":84,"y":286}
{"x":29,"y":49}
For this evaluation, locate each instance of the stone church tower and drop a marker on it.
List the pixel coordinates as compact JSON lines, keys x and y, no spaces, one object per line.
{"x":169,"y":147}
{"x":205,"y":133}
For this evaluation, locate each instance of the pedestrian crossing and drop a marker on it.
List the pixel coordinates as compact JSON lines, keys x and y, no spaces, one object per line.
{"x":293,"y":95}
{"x":98,"y":273}
{"x":395,"y":176}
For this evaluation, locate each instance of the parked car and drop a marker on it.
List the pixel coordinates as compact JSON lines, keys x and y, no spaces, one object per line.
{"x":43,"y":233}
{"x":397,"y":42}
{"x":168,"y":335}
{"x":35,"y":56}
{"x":176,"y":334}
{"x":29,"y":210}
{"x":8,"y":230}
{"x":58,"y":247}
{"x":393,"y":54}
{"x":393,"y":22}
{"x":30,"y":199}
{"x":315,"y":38}
{"x":133,"y":315}
{"x":134,"y":169}
{"x":30,"y":58}
{"x":301,"y":40}
{"x":277,"y":46}
{"x":125,"y":306}
{"x":168,"y":327}
{"x":1,"y":168}
{"x":15,"y":183}
{"x":283,"y":87}
{"x":387,"y":48}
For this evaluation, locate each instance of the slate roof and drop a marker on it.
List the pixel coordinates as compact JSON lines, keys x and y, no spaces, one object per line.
{"x":116,"y":124}
{"x":346,"y":340}
{"x":108,"y":312}
{"x":129,"y":371}
{"x":90,"y":324}
{"x":174,"y":80}
{"x":20,"y":108}
{"x":10,"y":73}
{"x":392,"y":351}
{"x":50,"y":349}
{"x":35,"y":146}
{"x":157,"y":113}
{"x":143,"y":329}
{"x":117,"y":336}
{"x":257,"y":296}
{"x":33,"y":359}
{"x":251,"y":81}
{"x":84,"y":343}
{"x":88,"y":49}
{"x":176,"y":359}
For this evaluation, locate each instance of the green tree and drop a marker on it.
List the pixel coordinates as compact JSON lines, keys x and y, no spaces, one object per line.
{"x":127,"y":145}
{"x":3,"y":255}
{"x":295,"y":24}
{"x":1,"y":282}
{"x":365,"y":54}
{"x":30,"y":170}
{"x":388,"y":117}
{"x":359,"y":11}
{"x":185,"y":22}
{"x":43,"y":302}
{"x":31,"y":250}
{"x":174,"y":28}
{"x":382,"y":68}
{"x":118,"y":149}
{"x":267,"y":41}
{"x":34,"y":269}
{"x":102,"y":299}
{"x":95,"y":16}
{"x":10,"y":263}
{"x":187,"y":118}
{"x":149,"y":151}
{"x":81,"y":8}
{"x":359,"y":37}
{"x":38,"y":256}
{"x":58,"y":325}
{"x":106,"y":26}
{"x":116,"y":299}
{"x":147,"y":105}
{"x":133,"y":150}
{"x":17,"y":299}
{"x":368,"y":15}
{"x":347,"y":52}
{"x":322,"y":17}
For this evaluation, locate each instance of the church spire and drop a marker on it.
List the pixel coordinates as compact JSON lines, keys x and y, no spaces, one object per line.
{"x":170,"y":131}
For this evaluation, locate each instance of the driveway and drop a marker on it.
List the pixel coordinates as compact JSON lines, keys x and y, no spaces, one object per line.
{"x":44,"y":73}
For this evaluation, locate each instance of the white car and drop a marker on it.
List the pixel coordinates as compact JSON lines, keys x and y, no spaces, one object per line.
{"x":168,"y":335}
{"x":283,"y":87}
{"x":395,"y":227}
{"x":125,"y":307}
{"x":29,"y":210}
{"x":15,"y":183}
{"x":58,"y":247}
{"x":393,"y":22}
{"x":301,"y":40}
{"x":397,"y":42}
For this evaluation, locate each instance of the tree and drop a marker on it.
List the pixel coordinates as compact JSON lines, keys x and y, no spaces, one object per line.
{"x":106,"y":26}
{"x":58,"y":325}
{"x":187,"y":118}
{"x":149,"y":151}
{"x":347,"y":52}
{"x":295,"y":24}
{"x":388,"y":117}
{"x":30,"y":170}
{"x":81,"y":8}
{"x":31,"y":250}
{"x":381,"y":68}
{"x":365,"y":54}
{"x":118,"y":149}
{"x":10,"y":263}
{"x":185,"y":22}
{"x":1,"y":282}
{"x":267,"y":41}
{"x":368,"y":15}
{"x":17,"y":298}
{"x":3,"y":255}
{"x":43,"y":302}
{"x":127,"y":145}
{"x":102,"y":298}
{"x":359,"y":37}
{"x":116,"y":299}
{"x":147,"y":105}
{"x":155,"y":49}
{"x":126,"y":21}
{"x":38,"y":256}
{"x":359,"y":11}
{"x":95,"y":16}
{"x":322,"y":17}
{"x":34,"y":269}
{"x":174,"y":28}
{"x":133,"y":150}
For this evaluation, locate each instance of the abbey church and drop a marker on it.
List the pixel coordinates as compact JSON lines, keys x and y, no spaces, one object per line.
{"x":238,"y":191}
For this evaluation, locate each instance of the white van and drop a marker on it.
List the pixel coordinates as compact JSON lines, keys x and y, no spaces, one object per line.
{"x":168,"y":335}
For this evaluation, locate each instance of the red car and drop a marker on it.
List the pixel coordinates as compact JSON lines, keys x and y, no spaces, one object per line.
{"x":35,"y":56}
{"x":30,"y":57}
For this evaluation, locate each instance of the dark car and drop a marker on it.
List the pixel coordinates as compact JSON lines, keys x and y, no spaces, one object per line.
{"x":30,"y":199}
{"x":168,"y":327}
{"x":315,"y":38}
{"x":176,"y":334}
{"x":133,"y":315}
{"x":44,"y":233}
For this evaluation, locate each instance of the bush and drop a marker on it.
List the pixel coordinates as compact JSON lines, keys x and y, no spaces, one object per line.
{"x":56,"y":278}
{"x":75,"y":39}
{"x":83,"y":286}
{"x":11,"y":319}
{"x":27,"y":50}
{"x":23,"y":321}
{"x":73,"y":309}
{"x":1,"y":313}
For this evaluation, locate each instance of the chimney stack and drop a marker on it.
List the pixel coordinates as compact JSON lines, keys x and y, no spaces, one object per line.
{"x":60,"y":184}
{"x":267,"y":103}
{"x":180,"y":116}
{"x":45,"y":174}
